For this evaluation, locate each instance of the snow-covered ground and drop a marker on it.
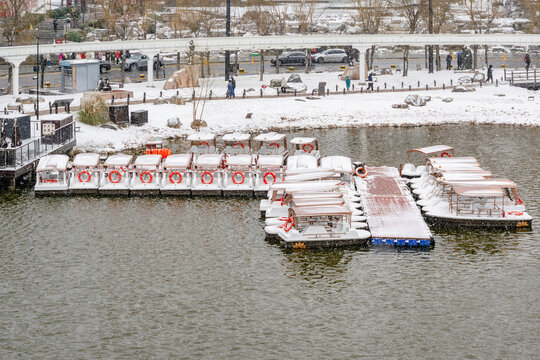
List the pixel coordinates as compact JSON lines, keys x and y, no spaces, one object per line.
{"x":488,"y":105}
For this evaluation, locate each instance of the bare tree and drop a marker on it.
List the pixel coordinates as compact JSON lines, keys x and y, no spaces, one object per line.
{"x":369,"y":14}
{"x":411,"y":11}
{"x":441,"y":12}
{"x":532,"y":11}
{"x":261,"y":17}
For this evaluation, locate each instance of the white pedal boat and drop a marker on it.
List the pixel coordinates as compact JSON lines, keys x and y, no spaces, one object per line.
{"x":270,"y":160}
{"x":342,"y":165}
{"x":177,"y":176}
{"x":238,"y":176}
{"x":306,"y":146}
{"x":146,"y":175}
{"x":116,"y":177}
{"x":409,"y":170}
{"x":85,"y":175}
{"x":51,"y":175}
{"x":202,"y":143}
{"x":207,"y":175}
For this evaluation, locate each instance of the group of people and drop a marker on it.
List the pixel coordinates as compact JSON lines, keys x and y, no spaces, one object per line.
{"x":231,"y":86}
{"x":104,"y":85}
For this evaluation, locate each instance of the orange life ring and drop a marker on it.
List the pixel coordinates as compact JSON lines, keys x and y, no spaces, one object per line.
{"x":362,"y":175}
{"x":238,"y":144}
{"x":204,"y":143}
{"x":269,"y":173}
{"x":445,"y":153}
{"x":211,"y":177}
{"x":50,"y":181}
{"x":119,"y":176}
{"x":517,"y":213}
{"x":87,"y":179}
{"x":179,"y":177}
{"x":142,"y":178}
{"x":241,"y":175}
{"x":291,"y":225}
{"x":310,"y":150}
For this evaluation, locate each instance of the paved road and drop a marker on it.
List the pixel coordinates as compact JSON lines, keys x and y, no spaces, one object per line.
{"x":52,"y":74}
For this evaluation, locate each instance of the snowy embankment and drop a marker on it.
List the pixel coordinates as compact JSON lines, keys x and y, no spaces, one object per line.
{"x":488,"y":105}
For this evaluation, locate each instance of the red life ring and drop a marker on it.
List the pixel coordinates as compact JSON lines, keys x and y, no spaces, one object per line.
{"x":517,"y":213}
{"x":241,"y":175}
{"x":291,"y":225}
{"x":520,"y":201}
{"x":119,"y":176}
{"x":274,"y":144}
{"x":142,"y":178}
{"x":362,"y":175}
{"x":172,"y":175}
{"x":310,"y":150}
{"x":238,"y":144}
{"x":50,"y":181}
{"x":211,"y":177}
{"x":445,"y":154}
{"x":269,"y":173}
{"x":87,"y":174}
{"x":204,"y":143}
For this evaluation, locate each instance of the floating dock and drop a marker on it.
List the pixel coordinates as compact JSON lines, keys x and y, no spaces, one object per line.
{"x":392,"y":214}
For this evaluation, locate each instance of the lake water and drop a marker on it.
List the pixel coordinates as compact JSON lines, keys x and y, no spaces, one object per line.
{"x":168,"y":278}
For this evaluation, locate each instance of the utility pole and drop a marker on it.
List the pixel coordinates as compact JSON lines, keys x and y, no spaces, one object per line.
{"x":430,"y":29}
{"x":37,"y":77}
{"x":228,"y":34}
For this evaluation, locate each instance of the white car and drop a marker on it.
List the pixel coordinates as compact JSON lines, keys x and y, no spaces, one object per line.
{"x":330,"y":55}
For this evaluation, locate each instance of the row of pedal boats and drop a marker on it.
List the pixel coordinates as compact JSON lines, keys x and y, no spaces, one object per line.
{"x":457,"y":191}
{"x":238,"y":169}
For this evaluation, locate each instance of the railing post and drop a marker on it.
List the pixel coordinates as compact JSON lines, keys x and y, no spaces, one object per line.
{"x":128,"y":99}
{"x":112,"y":100}
{"x":261,"y":93}
{"x":144,"y":97}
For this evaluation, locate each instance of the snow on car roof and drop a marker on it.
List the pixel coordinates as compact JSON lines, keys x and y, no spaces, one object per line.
{"x":53,"y":162}
{"x":432,"y":149}
{"x":86,"y":160}
{"x":302,"y":140}
{"x":118,"y":160}
{"x":236,"y":137}
{"x":201,"y":137}
{"x":270,"y":137}
{"x":148,"y":160}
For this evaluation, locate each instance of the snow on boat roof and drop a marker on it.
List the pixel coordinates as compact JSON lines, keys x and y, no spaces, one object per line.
{"x":503,"y":183}
{"x":318,"y":202}
{"x":478,"y":191}
{"x":339,"y":163}
{"x":306,"y":171}
{"x":321,"y":211}
{"x":209,"y":160}
{"x":432,"y":149}
{"x":201,"y":137}
{"x":302,"y":140}
{"x":148,"y":160}
{"x":464,"y":159}
{"x":309,"y":176}
{"x":86,"y":160}
{"x":177,"y":161}
{"x":53,"y":162}
{"x":457,"y":166}
{"x":240,"y":160}
{"x":455,"y":176}
{"x":236,"y":137}
{"x":323,"y":185}
{"x":316,"y":195}
{"x":118,"y":160}
{"x":270,"y":160}
{"x":270,"y":137}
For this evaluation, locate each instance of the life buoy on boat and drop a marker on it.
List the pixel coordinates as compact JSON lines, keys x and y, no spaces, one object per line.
{"x":241,"y":176}
{"x":204,"y":143}
{"x":50,"y":181}
{"x":211,"y":177}
{"x":88,"y":176}
{"x":311,"y":148}
{"x":445,"y":154}
{"x":142,"y":177}
{"x":172,"y":175}
{"x":517,"y":213}
{"x":363,"y":174}
{"x":118,"y":178}
{"x":519,"y":201}
{"x":238,"y":144}
{"x":291,"y":225}
{"x":274,"y":144}
{"x":271,"y":174}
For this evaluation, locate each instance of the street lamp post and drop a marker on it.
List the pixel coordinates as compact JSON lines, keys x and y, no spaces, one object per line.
{"x":430,"y":29}
{"x":228,"y":34}
{"x":37,"y":77}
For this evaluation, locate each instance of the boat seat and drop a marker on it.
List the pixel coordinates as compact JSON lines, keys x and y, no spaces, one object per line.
{"x":315,"y":230}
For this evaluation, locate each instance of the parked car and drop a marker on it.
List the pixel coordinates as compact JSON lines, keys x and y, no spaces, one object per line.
{"x":139,"y":62}
{"x":104,"y":66}
{"x":330,"y":55}
{"x":290,"y":58}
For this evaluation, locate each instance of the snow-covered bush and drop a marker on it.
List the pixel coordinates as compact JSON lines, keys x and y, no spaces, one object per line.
{"x":93,"y":110}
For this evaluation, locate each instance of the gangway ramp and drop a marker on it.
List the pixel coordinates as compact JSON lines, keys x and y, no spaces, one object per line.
{"x":391,"y":211}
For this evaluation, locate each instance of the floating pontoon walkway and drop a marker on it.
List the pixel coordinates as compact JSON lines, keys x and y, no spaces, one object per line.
{"x":391,"y":212}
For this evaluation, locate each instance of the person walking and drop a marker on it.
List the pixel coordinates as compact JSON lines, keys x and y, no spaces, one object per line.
{"x":347,"y":82}
{"x":230,"y":90}
{"x":55,"y":26}
{"x":490,"y":74}
{"x":233,"y":83}
{"x":449,"y":61}
{"x":527,"y":60}
{"x":370,"y":82}
{"x":283,"y":85}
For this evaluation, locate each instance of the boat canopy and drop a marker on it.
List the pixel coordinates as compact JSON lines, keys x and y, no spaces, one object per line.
{"x":86,"y":160}
{"x":118,"y":160}
{"x":270,"y":161}
{"x":301,"y":162}
{"x":332,"y":210}
{"x":323,"y":185}
{"x":503,"y":183}
{"x":209,"y":160}
{"x":237,"y":137}
{"x":478,"y":191}
{"x":303,"y":140}
{"x":464,"y":176}
{"x":53,"y":163}
{"x":147,"y":161}
{"x":463,"y":159}
{"x":318,"y":202}
{"x":430,"y":150}
{"x":310,"y":176}
{"x":177,"y":161}
{"x":337,"y":163}
{"x":316,"y":195}
{"x":270,"y":137}
{"x":202,"y":137}
{"x":240,"y":160}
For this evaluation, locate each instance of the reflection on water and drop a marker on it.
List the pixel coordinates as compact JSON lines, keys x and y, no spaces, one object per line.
{"x":151,"y":277}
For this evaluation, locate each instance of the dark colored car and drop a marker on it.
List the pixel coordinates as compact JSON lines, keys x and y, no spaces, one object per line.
{"x":290,"y":58}
{"x":104,"y":66}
